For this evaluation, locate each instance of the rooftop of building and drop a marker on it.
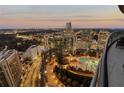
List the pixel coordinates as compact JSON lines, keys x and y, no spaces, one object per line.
{"x":5,"y":54}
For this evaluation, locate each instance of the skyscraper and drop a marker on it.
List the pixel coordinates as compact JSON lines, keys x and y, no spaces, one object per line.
{"x":69,"y":39}
{"x":68,"y":26}
{"x":10,"y":69}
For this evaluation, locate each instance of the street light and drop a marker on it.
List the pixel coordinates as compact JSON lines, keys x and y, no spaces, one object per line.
{"x":45,"y":72}
{"x":53,"y":77}
{"x":56,"y":81}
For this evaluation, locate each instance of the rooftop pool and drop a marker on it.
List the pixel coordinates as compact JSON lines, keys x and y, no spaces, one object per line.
{"x":84,"y":59}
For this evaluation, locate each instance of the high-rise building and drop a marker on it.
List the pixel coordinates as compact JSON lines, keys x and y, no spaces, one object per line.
{"x":69,"y":38}
{"x":46,"y":43}
{"x":102,"y":37}
{"x":68,"y":26}
{"x":83,"y":40}
{"x":33,"y":51}
{"x":10,"y":69}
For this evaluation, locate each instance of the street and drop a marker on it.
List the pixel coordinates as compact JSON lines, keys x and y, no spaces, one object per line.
{"x":53,"y":81}
{"x":31,"y":77}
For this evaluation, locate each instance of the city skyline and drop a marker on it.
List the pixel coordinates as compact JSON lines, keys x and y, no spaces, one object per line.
{"x":56,"y":16}
{"x":50,"y":59}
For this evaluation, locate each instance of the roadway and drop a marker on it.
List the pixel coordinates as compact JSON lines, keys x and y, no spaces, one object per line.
{"x":32,"y":76}
{"x":52,"y":80}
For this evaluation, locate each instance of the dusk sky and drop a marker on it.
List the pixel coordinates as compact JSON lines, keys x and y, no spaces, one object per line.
{"x":56,"y":16}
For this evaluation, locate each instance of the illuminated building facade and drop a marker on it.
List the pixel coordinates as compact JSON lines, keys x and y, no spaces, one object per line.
{"x":10,"y":69}
{"x":33,"y":51}
{"x":69,"y":39}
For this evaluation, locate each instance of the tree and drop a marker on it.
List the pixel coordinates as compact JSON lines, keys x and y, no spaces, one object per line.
{"x":75,"y":83}
{"x":69,"y":81}
{"x":64,"y":78}
{"x":59,"y":53}
{"x":27,"y":60}
{"x":81,"y":85}
{"x":59,"y":75}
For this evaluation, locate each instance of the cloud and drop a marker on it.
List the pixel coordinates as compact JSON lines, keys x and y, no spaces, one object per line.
{"x":82,"y":16}
{"x":80,"y":19}
{"x":121,"y":20}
